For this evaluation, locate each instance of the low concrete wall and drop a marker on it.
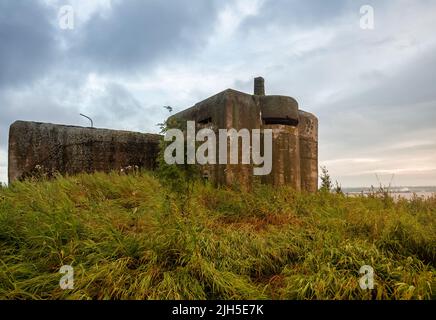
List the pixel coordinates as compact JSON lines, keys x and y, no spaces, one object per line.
{"x":51,"y":148}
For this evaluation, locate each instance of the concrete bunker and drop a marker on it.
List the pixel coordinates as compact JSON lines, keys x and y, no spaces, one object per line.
{"x":71,"y":149}
{"x":295,"y":135}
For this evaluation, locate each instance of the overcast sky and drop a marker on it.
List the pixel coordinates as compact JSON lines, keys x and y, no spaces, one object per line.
{"x":372,"y":90}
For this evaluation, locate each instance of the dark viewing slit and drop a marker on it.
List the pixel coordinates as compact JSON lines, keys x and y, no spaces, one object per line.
{"x":205,"y":121}
{"x":284,"y":121}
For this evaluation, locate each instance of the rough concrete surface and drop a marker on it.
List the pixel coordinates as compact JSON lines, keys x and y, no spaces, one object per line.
{"x":51,"y":148}
{"x":295,"y":135}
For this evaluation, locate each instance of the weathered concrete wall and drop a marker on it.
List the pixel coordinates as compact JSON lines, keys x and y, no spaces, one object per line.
{"x":285,"y":157}
{"x":308,"y":135}
{"x":226,"y":110}
{"x":69,"y":150}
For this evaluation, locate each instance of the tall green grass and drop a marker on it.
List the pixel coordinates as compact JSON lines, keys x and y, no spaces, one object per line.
{"x":127,"y":238}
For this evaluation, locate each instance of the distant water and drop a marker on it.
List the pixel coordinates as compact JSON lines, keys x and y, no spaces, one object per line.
{"x":397,"y":192}
{"x":400,"y":195}
{"x":410,"y":195}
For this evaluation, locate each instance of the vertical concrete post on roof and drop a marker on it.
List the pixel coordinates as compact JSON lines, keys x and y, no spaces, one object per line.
{"x":259,"y":86}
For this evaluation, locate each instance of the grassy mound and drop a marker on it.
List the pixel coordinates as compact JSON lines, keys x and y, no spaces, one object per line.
{"x":127,"y":238}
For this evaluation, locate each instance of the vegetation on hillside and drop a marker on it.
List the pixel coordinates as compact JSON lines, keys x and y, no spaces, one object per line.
{"x":128,"y":237}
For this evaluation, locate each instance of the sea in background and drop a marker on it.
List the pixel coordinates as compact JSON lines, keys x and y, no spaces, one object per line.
{"x":395,"y":192}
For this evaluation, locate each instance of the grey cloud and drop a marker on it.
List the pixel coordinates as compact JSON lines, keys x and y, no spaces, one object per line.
{"x":137,"y":33}
{"x":414,"y":83}
{"x":397,"y":107}
{"x":33,"y":106}
{"x":118,"y":108}
{"x":310,"y":13}
{"x":27,"y":41}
